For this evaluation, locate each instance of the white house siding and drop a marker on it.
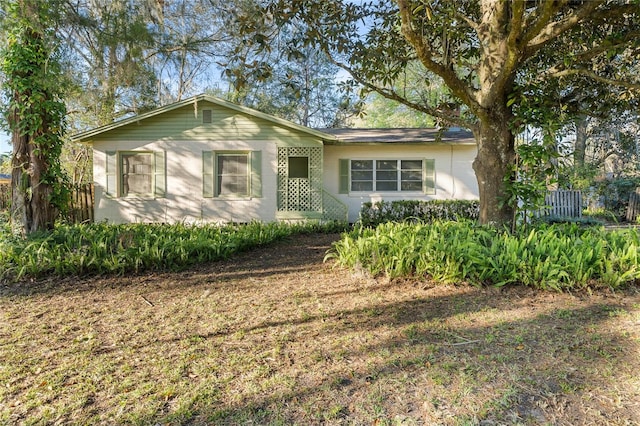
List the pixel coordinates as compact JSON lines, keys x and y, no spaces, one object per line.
{"x":183,"y":137}
{"x":454,"y":175}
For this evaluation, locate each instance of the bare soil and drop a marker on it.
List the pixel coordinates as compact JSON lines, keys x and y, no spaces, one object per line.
{"x":277,"y":336}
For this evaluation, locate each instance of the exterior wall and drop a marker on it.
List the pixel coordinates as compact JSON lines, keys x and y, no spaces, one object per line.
{"x":454,"y":175}
{"x":181,"y":134}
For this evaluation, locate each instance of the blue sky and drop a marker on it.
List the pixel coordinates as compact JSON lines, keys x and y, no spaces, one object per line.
{"x":4,"y":143}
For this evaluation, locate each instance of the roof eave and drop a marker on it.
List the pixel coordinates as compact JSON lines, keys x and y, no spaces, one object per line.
{"x":370,"y":143}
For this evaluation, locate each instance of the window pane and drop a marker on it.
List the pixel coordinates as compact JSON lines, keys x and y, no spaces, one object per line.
{"x":230,"y":185}
{"x":361,"y":186}
{"x":233,"y":174}
{"x":242,"y":185}
{"x":299,"y":167}
{"x":411,"y":164}
{"x":361,"y":164}
{"x":412,"y":175}
{"x":411,"y":186}
{"x":386,"y":185}
{"x":393,"y":175}
{"x":386,"y":175}
{"x":137,"y":174}
{"x":362,"y":175}
{"x":232,"y":164}
{"x":386,"y":165}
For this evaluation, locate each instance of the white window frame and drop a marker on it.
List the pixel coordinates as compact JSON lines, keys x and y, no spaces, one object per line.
{"x":376,"y":171}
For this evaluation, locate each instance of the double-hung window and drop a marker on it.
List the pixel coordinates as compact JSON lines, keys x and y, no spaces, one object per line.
{"x":231,"y":174}
{"x":387,"y":175}
{"x":135,"y":174}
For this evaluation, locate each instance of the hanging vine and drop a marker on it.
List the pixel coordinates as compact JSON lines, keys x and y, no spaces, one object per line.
{"x":34,"y":113}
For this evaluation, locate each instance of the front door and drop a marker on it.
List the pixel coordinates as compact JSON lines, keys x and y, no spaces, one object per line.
{"x":300,"y":179}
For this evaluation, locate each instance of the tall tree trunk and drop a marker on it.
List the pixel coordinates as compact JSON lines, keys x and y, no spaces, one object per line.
{"x":580,"y":147}
{"x":31,"y":194}
{"x":43,"y":212}
{"x":19,"y":177}
{"x":496,"y":156}
{"x":36,"y":120}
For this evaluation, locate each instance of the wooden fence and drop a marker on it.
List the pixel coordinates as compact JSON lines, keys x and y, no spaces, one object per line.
{"x":5,"y":196}
{"x":563,"y":203}
{"x":633,"y":209}
{"x":80,"y":204}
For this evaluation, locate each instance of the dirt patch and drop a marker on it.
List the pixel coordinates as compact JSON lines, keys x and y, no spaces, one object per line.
{"x":276,"y":336}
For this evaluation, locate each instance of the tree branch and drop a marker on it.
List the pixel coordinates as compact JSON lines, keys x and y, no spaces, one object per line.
{"x":472,"y":24}
{"x":594,"y":76}
{"x":537,"y":21}
{"x":590,"y":54}
{"x":538,"y":37}
{"x":425,"y":55}
{"x":517,"y":16}
{"x":393,"y":95}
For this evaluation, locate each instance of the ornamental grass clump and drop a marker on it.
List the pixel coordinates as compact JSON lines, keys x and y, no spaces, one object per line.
{"x":116,"y":249}
{"x":555,"y":257}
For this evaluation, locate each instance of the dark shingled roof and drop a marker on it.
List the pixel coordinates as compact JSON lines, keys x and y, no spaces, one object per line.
{"x":408,"y":135}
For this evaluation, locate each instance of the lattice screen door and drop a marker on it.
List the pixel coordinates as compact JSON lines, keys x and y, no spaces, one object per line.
{"x":296,"y":193}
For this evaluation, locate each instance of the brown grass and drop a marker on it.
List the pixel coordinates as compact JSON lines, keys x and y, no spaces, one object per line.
{"x":275,"y":336}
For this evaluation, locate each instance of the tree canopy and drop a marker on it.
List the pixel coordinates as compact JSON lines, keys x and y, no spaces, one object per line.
{"x":505,"y":64}
{"x":493,"y":66}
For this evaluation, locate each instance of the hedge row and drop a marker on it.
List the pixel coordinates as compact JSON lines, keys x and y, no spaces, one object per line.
{"x":373,"y":214}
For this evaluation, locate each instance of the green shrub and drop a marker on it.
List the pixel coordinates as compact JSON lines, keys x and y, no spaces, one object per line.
{"x":615,"y":194}
{"x":556,"y":257}
{"x":601,"y":215}
{"x":372,"y":214}
{"x":116,"y":249}
{"x":585,"y":220}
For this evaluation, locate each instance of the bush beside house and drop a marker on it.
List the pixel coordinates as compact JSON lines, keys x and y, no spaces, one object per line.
{"x":373,"y":214}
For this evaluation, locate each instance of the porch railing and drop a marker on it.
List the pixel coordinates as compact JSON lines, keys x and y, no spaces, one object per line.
{"x":333,"y":209}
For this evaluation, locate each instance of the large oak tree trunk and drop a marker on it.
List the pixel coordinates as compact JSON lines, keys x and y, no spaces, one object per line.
{"x":19,"y":180}
{"x":31,"y":195}
{"x":496,"y":156}
{"x":33,"y":124}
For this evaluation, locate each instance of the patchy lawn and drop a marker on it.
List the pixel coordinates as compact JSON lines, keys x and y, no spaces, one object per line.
{"x":275,"y":336}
